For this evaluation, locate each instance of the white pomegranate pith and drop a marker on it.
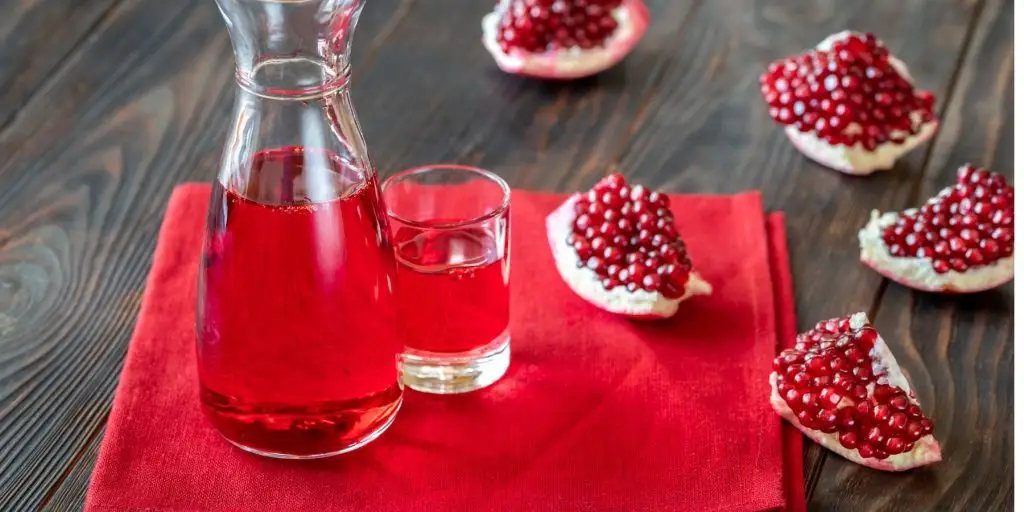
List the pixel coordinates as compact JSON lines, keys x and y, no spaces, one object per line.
{"x":959,"y":241}
{"x":562,"y":39}
{"x":617,"y":247}
{"x":848,"y":104}
{"x":843,"y":388}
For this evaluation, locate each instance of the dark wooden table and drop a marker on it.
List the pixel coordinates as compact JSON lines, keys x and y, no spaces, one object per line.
{"x":105,"y":105}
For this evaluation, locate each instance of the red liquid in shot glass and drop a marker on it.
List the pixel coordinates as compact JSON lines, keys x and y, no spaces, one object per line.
{"x":452,"y":288}
{"x":297,"y":333}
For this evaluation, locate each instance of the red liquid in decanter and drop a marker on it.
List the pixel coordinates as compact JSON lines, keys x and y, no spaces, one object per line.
{"x":297,"y":331}
{"x":452,"y":288}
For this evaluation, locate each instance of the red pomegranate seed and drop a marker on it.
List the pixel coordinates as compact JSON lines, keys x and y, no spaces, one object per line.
{"x":967,"y":225}
{"x":877,"y":424}
{"x":536,"y":26}
{"x":639,"y":250}
{"x":848,"y":95}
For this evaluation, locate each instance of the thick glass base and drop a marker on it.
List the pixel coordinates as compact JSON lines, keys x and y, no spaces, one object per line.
{"x":354,"y":445}
{"x":451,"y":373}
{"x":302,"y":431}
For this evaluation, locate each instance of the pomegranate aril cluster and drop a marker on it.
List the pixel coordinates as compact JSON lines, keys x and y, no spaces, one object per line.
{"x":847,"y":95}
{"x":834,"y":382}
{"x":540,"y":25}
{"x":967,"y":225}
{"x":626,"y":235}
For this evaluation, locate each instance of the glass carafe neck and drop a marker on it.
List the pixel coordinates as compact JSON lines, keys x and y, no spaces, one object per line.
{"x":296,"y":138}
{"x":291,"y":47}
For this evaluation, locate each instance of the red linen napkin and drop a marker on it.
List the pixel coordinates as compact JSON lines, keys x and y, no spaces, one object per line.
{"x":596,"y":412}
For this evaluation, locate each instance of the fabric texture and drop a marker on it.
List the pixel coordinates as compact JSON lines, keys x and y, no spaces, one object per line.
{"x":596,"y":412}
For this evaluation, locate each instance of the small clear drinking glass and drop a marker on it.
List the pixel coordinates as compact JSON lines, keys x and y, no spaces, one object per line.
{"x":450,"y":229}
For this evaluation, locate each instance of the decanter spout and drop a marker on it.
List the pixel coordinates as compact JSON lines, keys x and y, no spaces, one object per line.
{"x":291,"y":45}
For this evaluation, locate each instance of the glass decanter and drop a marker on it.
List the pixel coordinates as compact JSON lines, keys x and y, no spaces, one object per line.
{"x":297,"y":336}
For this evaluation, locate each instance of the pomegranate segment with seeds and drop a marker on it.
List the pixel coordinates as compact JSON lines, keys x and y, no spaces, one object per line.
{"x":960,"y":241}
{"x":849,"y":104}
{"x":842,"y":387}
{"x":617,"y":247}
{"x":563,"y":39}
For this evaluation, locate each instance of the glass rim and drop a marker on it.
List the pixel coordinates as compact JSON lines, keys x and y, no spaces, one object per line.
{"x":506,"y":195}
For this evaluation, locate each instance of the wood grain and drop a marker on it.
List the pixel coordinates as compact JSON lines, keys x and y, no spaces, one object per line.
{"x":37,"y":37}
{"x":708,"y":131}
{"x":69,"y":492}
{"x":91,"y":161}
{"x":92,"y":153}
{"x":395,"y":115}
{"x":957,"y":350}
{"x":434,"y":95}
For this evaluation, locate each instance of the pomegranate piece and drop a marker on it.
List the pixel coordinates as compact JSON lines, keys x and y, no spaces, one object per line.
{"x":960,"y":241}
{"x":842,"y":387}
{"x":617,"y":247}
{"x":848,"y":104}
{"x":563,"y":39}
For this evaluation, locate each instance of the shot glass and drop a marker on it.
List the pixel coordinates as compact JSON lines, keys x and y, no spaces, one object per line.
{"x":450,"y":229}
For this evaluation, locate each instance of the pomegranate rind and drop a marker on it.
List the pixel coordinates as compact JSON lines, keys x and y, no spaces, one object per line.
{"x":917,"y":273}
{"x":855,"y":160}
{"x":639,"y":305}
{"x":926,"y":450}
{"x":632,"y":16}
